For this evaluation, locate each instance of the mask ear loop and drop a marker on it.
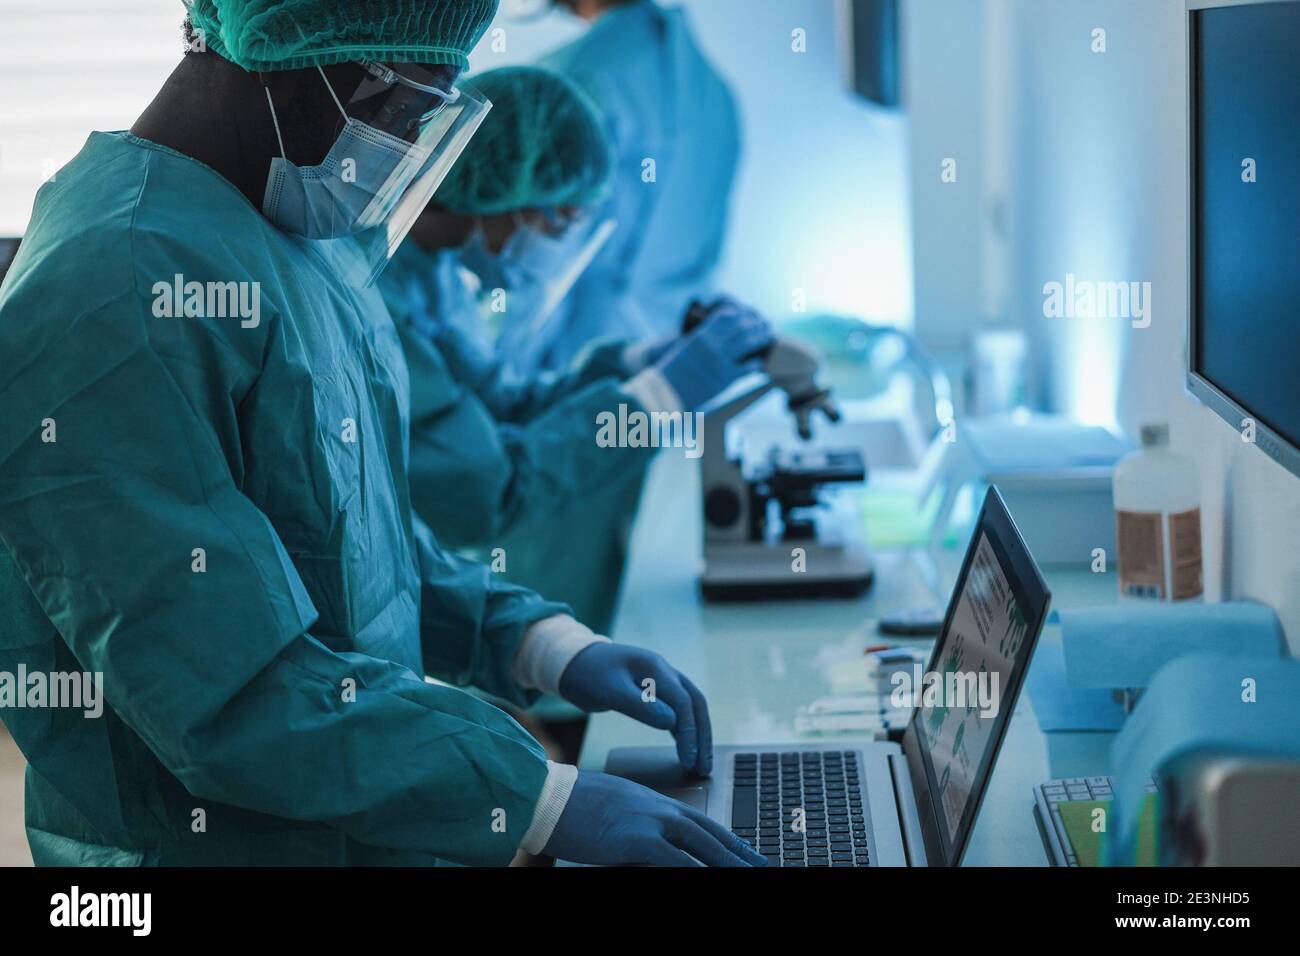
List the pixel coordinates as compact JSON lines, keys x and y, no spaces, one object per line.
{"x":274,"y":120}
{"x":333,"y":95}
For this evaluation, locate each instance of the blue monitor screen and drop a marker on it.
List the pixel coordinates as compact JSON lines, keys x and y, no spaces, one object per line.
{"x":1246,"y":208}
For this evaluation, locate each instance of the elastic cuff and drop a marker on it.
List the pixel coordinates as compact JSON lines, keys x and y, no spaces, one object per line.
{"x":547,"y":648}
{"x":606,"y":359}
{"x":652,"y":390}
{"x":636,"y":355}
{"x":560,"y":778}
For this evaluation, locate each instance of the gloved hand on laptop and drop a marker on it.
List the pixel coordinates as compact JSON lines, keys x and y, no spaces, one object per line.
{"x":642,"y":685}
{"x":610,"y":821}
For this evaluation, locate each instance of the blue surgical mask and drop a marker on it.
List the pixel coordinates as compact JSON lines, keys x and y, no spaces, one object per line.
{"x":365,"y":174}
{"x":529,"y":259}
{"x":536,"y":255}
{"x":537,"y":270}
{"x":335,"y":198}
{"x":491,"y":267}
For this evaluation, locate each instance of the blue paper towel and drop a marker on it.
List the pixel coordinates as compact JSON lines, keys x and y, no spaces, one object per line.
{"x":1059,"y":706}
{"x":1124,"y":645}
{"x":1196,"y":703}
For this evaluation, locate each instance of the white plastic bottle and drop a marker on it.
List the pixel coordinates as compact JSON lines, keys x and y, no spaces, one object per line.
{"x":1158,"y":522}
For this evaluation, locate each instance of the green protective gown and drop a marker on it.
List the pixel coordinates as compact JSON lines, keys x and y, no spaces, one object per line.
{"x":499,"y":463}
{"x":661,"y":100}
{"x":212,"y":513}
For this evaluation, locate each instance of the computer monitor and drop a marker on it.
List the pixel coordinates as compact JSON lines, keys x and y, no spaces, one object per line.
{"x":994,"y":617}
{"x":1244,"y":218}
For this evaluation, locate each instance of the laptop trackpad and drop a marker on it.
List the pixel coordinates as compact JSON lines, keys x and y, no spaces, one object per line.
{"x":658,"y":769}
{"x":696,"y":797}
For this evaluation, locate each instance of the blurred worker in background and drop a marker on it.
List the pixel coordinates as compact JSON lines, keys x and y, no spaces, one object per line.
{"x":507,"y":465}
{"x":675,"y":134}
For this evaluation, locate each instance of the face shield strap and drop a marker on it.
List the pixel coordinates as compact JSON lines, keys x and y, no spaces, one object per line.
{"x":390,"y":76}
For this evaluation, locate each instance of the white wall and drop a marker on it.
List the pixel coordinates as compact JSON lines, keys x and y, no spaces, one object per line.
{"x":67,"y":67}
{"x":1099,"y":158}
{"x":943,"y":69}
{"x":821,"y":201}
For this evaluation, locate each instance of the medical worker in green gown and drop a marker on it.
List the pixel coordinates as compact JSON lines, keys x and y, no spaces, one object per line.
{"x":675,"y":130}
{"x":203,"y":496}
{"x":509,"y":468}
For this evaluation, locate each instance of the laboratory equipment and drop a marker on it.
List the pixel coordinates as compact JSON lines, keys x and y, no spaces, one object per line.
{"x":1055,"y":475}
{"x":996,"y":381}
{"x":1158,"y":521}
{"x":912,"y":622}
{"x":1230,"y":808}
{"x":767,"y":533}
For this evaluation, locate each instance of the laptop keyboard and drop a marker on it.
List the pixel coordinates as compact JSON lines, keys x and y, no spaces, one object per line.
{"x":801,"y":808}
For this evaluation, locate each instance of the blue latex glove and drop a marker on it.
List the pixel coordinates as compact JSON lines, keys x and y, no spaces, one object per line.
{"x":610,"y":821}
{"x":615,"y":677}
{"x":655,"y":350}
{"x":649,"y":351}
{"x":726,"y":346}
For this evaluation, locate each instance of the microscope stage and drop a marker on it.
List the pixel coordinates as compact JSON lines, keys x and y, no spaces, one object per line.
{"x":760,"y":572}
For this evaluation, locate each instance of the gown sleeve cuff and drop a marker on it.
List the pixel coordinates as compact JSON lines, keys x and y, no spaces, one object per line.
{"x":547,"y":648}
{"x":610,"y":358}
{"x":635,"y":356}
{"x":652,"y":390}
{"x":560,"y":778}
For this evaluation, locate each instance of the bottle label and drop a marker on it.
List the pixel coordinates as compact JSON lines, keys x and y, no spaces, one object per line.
{"x":1146,"y":546}
{"x":1185,"y":554}
{"x":1141,"y":554}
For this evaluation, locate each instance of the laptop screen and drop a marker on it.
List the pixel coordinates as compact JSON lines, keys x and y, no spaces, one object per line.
{"x":977,"y":669}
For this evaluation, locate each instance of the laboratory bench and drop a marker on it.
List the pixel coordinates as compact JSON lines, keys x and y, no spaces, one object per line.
{"x":759,"y":662}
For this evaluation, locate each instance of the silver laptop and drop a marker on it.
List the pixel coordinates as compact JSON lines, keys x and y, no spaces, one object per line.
{"x":878,"y":803}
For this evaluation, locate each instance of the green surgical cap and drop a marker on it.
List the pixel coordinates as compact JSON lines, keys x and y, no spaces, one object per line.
{"x":292,"y":34}
{"x":541,"y":146}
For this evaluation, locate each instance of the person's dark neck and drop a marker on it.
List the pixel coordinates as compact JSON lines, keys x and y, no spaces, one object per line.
{"x":208,"y":109}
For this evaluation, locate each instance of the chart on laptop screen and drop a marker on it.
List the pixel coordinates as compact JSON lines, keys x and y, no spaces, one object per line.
{"x":980,"y":649}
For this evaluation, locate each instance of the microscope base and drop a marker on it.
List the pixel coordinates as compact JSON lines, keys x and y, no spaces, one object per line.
{"x":750,"y":572}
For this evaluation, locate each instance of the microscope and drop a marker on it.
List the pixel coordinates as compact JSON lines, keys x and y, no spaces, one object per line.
{"x":768,"y":533}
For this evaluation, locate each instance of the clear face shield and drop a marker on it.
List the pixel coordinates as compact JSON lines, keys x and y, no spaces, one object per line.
{"x":538,"y":267}
{"x":402,"y":133}
{"x":567,"y":251}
